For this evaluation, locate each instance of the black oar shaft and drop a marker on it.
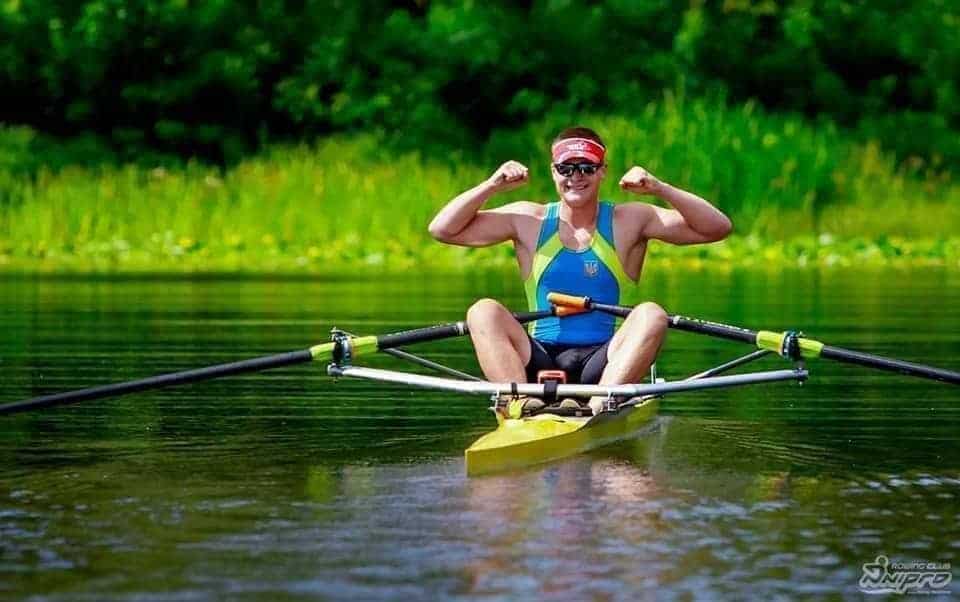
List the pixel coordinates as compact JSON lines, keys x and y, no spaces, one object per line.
{"x":849,"y":356}
{"x":159,"y":381}
{"x":722,"y":331}
{"x":421,"y":335}
{"x":446,"y":331}
{"x":713,"y":329}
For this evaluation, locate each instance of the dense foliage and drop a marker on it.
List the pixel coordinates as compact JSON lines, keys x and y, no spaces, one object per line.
{"x":798,"y":195}
{"x":219,"y":77}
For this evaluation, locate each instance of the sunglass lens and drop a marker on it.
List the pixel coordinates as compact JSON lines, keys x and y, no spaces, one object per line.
{"x":568,"y":169}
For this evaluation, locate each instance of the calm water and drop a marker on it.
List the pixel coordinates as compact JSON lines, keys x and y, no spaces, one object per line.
{"x":285,"y":485}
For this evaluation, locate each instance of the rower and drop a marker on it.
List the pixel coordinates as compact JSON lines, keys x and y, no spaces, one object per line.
{"x":577,"y":245}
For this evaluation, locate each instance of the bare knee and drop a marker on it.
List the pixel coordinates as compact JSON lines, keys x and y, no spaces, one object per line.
{"x":652,"y":316}
{"x":485,"y":311}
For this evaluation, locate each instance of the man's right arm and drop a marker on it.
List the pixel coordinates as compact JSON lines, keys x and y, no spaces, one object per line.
{"x":461,"y":222}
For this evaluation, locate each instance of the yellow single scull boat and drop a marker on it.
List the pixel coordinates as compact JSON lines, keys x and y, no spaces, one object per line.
{"x":545,"y":437}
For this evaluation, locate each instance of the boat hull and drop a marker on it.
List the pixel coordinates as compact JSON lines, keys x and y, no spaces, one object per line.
{"x":521,"y":442}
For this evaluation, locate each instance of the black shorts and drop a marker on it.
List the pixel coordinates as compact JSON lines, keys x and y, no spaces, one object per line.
{"x":583,"y":365}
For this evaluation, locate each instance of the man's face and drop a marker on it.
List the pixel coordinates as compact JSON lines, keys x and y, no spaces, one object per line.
{"x":578,"y":188}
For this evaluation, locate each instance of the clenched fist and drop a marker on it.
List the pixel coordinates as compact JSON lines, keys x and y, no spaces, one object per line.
{"x":640,"y":181}
{"x":508,"y":176}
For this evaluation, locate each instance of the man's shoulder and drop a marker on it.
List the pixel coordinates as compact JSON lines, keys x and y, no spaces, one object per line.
{"x":534,"y":208}
{"x":527,"y":218}
{"x":525,"y":208}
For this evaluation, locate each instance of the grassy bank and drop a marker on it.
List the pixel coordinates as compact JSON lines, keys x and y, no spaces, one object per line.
{"x":799,"y":194}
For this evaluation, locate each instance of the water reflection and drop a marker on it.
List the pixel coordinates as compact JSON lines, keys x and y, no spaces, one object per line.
{"x":283,"y":484}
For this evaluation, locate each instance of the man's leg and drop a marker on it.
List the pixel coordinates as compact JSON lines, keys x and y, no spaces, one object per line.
{"x":634,"y":347}
{"x":501,"y":343}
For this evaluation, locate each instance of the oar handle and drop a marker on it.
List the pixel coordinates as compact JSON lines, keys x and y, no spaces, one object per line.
{"x":570,"y":301}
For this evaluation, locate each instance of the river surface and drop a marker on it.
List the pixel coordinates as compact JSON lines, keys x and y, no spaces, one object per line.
{"x":285,"y":485}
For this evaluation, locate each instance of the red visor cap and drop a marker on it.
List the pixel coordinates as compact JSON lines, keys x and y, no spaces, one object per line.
{"x":578,"y":148}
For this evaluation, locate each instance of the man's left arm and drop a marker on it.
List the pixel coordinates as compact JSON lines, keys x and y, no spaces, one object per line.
{"x":692,"y":219}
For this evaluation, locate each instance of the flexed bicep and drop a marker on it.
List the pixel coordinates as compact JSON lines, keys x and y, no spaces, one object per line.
{"x":670,"y":226}
{"x":486,"y":228}
{"x":461,"y":222}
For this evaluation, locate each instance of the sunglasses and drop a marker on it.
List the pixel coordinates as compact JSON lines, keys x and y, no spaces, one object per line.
{"x":568,"y":169}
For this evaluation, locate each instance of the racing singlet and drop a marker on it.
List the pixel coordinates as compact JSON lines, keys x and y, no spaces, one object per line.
{"x":595,"y":272}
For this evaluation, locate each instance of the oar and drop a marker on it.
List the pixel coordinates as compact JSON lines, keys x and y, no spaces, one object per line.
{"x":342,"y":348}
{"x":772,"y":341}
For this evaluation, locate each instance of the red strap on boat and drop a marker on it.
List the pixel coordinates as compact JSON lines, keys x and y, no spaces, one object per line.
{"x":550,"y":379}
{"x":558,"y":376}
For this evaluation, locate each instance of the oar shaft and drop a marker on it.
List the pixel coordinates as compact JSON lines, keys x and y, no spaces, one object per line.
{"x":323,"y":352}
{"x":849,"y":356}
{"x":160,"y":381}
{"x":839,"y":354}
{"x":714,"y":329}
{"x":446,"y":331}
{"x":768,"y":340}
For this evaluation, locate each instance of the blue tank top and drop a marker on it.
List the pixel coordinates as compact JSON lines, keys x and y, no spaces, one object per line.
{"x":595,"y":272}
